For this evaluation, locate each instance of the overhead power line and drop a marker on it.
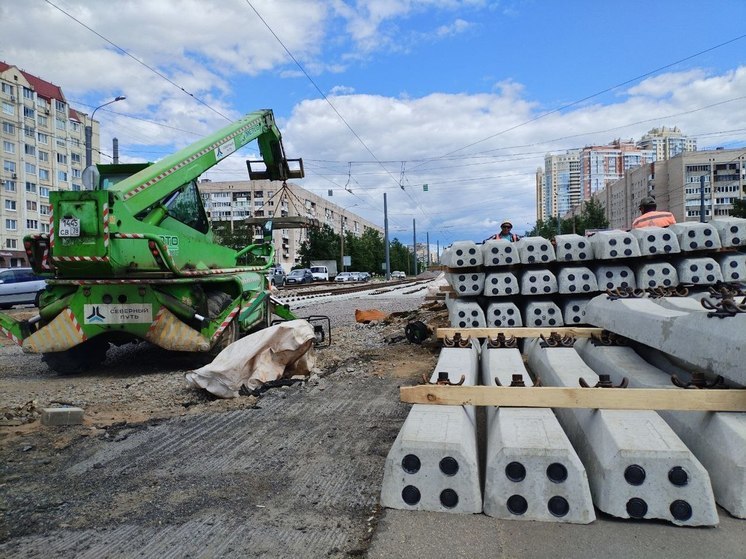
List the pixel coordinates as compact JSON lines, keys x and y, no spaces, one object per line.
{"x":123,"y":51}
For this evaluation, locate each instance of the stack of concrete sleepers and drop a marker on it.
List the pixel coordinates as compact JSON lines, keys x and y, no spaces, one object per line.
{"x":535,"y":283}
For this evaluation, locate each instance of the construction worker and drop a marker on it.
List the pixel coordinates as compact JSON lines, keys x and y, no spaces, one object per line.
{"x":651,"y":217}
{"x":505,"y":233}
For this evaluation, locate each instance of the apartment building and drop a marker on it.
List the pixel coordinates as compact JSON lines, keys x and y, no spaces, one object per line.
{"x":667,"y":142}
{"x":576,"y":175}
{"x":677,"y":183}
{"x":235,"y":201}
{"x":43,"y":148}
{"x":562,"y":184}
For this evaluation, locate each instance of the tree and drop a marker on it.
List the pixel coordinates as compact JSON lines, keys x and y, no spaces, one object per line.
{"x":739,"y":208}
{"x":322,"y":244}
{"x":592,"y":216}
{"x":400,"y":257}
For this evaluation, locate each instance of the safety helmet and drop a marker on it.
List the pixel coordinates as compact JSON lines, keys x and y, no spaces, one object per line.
{"x":648,"y":201}
{"x":506,"y":222}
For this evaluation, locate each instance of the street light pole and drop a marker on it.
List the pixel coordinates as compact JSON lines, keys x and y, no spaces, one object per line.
{"x":89,"y":130}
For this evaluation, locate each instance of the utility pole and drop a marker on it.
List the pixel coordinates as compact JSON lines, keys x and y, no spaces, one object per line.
{"x":386,"y":237}
{"x":427,"y":262}
{"x":414,"y":245}
{"x":342,"y":240}
{"x":702,"y":199}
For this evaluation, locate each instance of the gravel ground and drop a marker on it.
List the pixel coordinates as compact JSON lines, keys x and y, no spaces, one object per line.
{"x":160,"y":469}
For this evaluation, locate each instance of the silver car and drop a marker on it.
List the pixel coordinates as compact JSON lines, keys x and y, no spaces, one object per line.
{"x":19,"y":286}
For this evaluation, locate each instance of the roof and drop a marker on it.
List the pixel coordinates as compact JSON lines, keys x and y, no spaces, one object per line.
{"x":42,"y":87}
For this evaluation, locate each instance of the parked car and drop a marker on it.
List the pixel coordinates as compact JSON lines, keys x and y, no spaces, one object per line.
{"x":398,"y":275}
{"x":355,"y":276}
{"x":276,"y":277}
{"x":364,"y":276}
{"x":19,"y":286}
{"x":344,"y":276}
{"x":301,"y":275}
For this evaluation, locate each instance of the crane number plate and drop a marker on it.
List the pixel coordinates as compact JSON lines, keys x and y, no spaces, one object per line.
{"x":69,"y":227}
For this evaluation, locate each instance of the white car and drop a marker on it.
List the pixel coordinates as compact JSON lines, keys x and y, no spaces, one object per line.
{"x":344,"y":276}
{"x":398,"y":275}
{"x":19,"y":286}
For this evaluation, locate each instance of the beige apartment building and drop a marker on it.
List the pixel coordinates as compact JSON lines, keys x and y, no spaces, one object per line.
{"x":43,"y":149}
{"x":235,"y":201}
{"x":676,"y":185}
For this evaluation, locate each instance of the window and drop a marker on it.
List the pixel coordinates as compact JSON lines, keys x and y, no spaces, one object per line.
{"x":62,"y":176}
{"x":28,"y":131}
{"x":75,"y":126}
{"x":45,"y":209}
{"x":30,"y":168}
{"x":44,"y":191}
{"x":8,"y":108}
{"x":11,"y":224}
{"x":28,"y":93}
{"x":62,"y":158}
{"x":75,"y":158}
{"x":41,"y":120}
{"x":76,"y":173}
{"x":59,"y":123}
{"x":43,"y":155}
{"x":30,"y":187}
{"x":9,"y":166}
{"x":10,"y":205}
{"x":44,"y":174}
{"x":9,"y":186}
{"x":45,"y":228}
{"x":7,"y":89}
{"x":32,"y":224}
{"x":28,"y":112}
{"x":43,"y":138}
{"x":59,"y":105}
{"x":9,"y":147}
{"x":11,"y":243}
{"x":186,"y":209}
{"x":31,"y":205}
{"x":9,"y":128}
{"x":76,"y":188}
{"x":29,"y":150}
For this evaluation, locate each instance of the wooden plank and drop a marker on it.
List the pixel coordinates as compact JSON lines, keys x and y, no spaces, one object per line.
{"x":562,"y":397}
{"x":441,"y":333}
{"x":447,"y":289}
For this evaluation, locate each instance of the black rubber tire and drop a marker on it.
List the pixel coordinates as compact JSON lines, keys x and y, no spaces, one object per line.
{"x":217,"y":302}
{"x":37,"y":299}
{"x":77,"y":359}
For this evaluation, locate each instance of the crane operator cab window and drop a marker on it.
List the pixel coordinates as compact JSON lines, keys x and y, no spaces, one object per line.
{"x":187,"y":208}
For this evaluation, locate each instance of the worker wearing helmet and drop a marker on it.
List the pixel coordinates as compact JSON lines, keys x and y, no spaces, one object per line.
{"x":505,"y":233}
{"x":651,"y":217}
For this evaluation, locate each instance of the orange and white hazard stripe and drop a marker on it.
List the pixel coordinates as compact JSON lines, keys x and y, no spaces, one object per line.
{"x":226,"y":322}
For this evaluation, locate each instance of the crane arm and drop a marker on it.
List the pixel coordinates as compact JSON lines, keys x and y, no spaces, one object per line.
{"x":161,"y":179}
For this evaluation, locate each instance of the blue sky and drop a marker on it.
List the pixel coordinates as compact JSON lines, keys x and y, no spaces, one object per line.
{"x":447,"y":93}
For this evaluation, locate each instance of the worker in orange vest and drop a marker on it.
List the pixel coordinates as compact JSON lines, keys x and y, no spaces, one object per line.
{"x":651,"y":217}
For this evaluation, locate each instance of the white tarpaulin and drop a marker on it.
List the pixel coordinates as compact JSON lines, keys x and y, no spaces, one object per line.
{"x":270,"y":354}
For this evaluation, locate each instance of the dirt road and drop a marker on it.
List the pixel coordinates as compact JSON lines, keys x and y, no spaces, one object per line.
{"x":161,"y":470}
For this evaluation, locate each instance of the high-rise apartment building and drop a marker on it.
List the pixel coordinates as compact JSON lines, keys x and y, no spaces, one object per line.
{"x":667,"y":142}
{"x":235,"y":201}
{"x":43,"y":148}
{"x":601,"y":165}
{"x":561,"y":188}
